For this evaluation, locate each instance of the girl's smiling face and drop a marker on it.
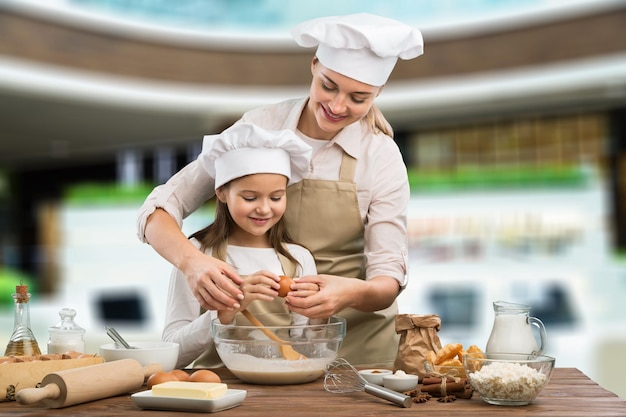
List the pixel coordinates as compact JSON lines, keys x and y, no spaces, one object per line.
{"x":335,"y":101}
{"x":256,"y":203}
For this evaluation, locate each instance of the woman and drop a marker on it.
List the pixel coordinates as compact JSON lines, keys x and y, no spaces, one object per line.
{"x":351,"y":208}
{"x":252,"y":168}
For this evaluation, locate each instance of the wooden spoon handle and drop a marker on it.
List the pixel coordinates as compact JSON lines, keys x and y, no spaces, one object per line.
{"x":265,"y":330}
{"x":34,"y":395}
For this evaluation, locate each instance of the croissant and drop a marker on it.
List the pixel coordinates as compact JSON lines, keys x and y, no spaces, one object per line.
{"x":449,"y":351}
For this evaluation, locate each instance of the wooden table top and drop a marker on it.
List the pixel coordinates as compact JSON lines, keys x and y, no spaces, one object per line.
{"x":569,"y":393}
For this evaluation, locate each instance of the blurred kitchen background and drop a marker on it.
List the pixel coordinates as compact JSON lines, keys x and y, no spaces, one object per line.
{"x":512,"y":125}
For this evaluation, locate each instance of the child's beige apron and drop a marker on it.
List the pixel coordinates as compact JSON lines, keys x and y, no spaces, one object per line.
{"x":210,"y":358}
{"x":324,"y":216}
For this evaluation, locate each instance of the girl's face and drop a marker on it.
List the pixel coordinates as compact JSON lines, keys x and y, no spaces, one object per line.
{"x":256,"y":203}
{"x":335,"y":101}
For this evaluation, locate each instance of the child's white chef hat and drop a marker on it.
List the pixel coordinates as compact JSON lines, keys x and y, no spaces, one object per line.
{"x":245,"y":149}
{"x":361,"y":46}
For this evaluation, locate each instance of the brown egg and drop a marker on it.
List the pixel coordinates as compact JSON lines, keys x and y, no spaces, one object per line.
{"x":204,"y":375}
{"x":285,"y":285}
{"x":159,"y":378}
{"x":180,"y":374}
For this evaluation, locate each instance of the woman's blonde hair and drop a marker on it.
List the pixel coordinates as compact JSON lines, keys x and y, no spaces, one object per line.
{"x":377,"y":122}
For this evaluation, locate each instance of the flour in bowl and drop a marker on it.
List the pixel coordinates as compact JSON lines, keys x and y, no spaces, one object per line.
{"x":275,"y":371}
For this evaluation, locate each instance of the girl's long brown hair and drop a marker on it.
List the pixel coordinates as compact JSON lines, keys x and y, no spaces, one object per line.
{"x":214,"y":235}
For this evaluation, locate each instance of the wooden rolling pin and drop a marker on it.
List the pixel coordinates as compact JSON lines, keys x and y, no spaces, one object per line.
{"x":88,"y":383}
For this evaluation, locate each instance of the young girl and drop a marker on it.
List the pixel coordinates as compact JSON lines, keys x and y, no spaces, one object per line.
{"x":252,"y":168}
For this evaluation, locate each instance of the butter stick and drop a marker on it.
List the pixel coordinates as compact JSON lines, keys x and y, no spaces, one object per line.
{"x":186,"y":389}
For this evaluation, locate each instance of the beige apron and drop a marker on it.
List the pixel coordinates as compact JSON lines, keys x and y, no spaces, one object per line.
{"x":324,"y":216}
{"x":210,"y":358}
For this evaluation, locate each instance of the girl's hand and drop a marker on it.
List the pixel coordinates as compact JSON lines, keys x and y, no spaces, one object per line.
{"x":262,"y":285}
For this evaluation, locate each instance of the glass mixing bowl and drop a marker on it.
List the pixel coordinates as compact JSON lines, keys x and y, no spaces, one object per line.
{"x":508,"y":378}
{"x":253,"y":355}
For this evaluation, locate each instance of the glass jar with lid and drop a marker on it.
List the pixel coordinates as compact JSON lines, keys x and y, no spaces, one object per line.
{"x":66,"y":336}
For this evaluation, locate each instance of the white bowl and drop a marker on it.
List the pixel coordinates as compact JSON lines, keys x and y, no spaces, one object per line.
{"x":400,"y":382}
{"x":147,"y":353}
{"x":375,"y":376}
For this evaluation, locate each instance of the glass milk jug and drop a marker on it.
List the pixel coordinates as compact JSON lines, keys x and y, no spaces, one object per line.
{"x":512,"y":330}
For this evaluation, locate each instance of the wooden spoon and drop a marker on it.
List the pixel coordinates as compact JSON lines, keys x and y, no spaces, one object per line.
{"x":286,"y":350}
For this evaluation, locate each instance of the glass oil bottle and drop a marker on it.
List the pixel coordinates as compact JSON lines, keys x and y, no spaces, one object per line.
{"x":22,"y":341}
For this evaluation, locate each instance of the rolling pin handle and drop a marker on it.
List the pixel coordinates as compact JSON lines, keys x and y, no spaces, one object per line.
{"x":33,"y":395}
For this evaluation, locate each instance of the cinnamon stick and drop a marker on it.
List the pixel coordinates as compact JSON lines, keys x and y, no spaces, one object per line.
{"x":451,"y":387}
{"x":437,"y":380}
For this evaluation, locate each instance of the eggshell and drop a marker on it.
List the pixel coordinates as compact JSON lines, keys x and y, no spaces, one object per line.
{"x":375,"y":376}
{"x":285,"y":285}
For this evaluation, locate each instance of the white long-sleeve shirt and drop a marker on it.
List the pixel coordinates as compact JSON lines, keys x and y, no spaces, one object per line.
{"x":380,"y":176}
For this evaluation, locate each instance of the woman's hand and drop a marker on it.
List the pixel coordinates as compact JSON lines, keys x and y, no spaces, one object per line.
{"x":336,"y":293}
{"x":214,"y":283}
{"x":318,"y":296}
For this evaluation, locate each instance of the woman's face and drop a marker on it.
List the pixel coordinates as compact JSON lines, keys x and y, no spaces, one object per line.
{"x":335,"y":101}
{"x":256,"y":203}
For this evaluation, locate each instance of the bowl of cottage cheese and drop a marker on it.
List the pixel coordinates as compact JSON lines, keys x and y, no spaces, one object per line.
{"x":508,"y":378}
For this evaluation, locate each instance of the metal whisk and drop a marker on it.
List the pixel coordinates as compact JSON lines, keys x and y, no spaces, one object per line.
{"x":342,"y":377}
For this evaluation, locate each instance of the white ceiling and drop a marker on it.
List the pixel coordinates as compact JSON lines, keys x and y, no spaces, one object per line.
{"x":52,"y":115}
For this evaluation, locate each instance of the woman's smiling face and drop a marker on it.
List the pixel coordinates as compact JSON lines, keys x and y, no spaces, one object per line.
{"x":335,"y":101}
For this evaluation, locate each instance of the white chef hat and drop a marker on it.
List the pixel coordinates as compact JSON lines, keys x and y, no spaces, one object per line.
{"x":361,"y":46}
{"x":245,"y":149}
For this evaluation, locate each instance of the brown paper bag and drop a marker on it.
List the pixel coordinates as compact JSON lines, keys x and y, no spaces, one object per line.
{"x":418,"y":336}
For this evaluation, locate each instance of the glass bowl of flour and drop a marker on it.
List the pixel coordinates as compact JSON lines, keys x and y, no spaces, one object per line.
{"x":285,"y":351}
